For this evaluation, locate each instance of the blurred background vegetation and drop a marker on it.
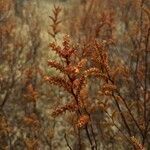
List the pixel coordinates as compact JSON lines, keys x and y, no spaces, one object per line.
{"x":27,"y":101}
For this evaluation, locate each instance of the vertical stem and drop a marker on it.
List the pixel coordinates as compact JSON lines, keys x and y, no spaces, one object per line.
{"x":65,"y":136}
{"x":77,"y":101}
{"x":145,"y":87}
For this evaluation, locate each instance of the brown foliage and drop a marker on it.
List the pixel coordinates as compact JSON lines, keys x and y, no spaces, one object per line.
{"x":123,"y":87}
{"x":100,"y":86}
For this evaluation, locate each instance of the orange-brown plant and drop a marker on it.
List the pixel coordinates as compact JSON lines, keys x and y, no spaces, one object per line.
{"x":122,"y":86}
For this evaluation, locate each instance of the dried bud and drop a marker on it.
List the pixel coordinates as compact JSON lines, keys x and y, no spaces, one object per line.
{"x":83,"y":120}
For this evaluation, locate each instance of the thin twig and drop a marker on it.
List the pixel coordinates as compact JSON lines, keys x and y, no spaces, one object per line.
{"x":65,"y":136}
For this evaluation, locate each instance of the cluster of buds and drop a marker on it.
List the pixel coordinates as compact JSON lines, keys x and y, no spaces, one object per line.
{"x":92,"y":72}
{"x":107,"y":89}
{"x":56,"y":49}
{"x":82,"y":121}
{"x":64,"y":52}
{"x":59,"y":82}
{"x":56,"y":65}
{"x":72,"y":69}
{"x":70,"y":107}
{"x":82,"y":64}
